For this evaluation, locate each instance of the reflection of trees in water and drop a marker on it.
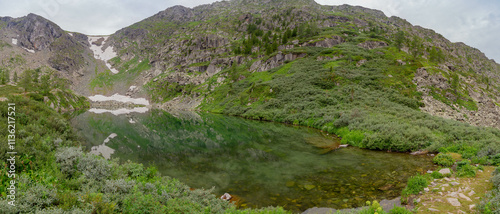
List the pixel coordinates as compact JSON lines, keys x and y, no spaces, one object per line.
{"x":252,"y":159}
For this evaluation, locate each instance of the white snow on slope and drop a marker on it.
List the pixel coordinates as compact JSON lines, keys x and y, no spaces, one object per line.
{"x":119,"y":111}
{"x":119,"y":98}
{"x":14,"y":41}
{"x":105,"y":55}
{"x":70,"y":34}
{"x":29,"y":50}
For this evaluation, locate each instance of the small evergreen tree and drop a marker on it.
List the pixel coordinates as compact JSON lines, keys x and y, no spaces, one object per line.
{"x":400,"y":38}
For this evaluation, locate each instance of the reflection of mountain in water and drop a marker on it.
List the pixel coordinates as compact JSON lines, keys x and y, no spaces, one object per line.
{"x":252,"y":159}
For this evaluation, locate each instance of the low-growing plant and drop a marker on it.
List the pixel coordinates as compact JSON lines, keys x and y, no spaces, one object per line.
{"x":415,"y":184}
{"x":437,"y":175}
{"x":443,"y":160}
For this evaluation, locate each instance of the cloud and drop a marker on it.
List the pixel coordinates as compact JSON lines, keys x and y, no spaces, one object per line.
{"x":476,"y":23}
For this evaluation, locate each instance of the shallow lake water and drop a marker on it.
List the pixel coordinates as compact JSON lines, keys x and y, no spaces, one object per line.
{"x":260,"y":163}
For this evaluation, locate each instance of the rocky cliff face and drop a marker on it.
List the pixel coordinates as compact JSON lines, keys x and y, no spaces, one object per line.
{"x":186,"y":47}
{"x":33,"y":42}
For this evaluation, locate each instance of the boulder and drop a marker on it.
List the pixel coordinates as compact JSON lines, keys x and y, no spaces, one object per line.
{"x":454,"y":202}
{"x":445,"y":171}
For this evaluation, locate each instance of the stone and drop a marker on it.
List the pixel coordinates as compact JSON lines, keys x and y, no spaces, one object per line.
{"x":472,"y":206}
{"x":453,"y":194}
{"x":433,"y":210}
{"x":471,"y":193}
{"x":226,"y":197}
{"x":445,"y":185}
{"x":429,"y":171}
{"x":418,"y":200}
{"x":454,"y":202}
{"x":426,"y":189}
{"x":445,"y":171}
{"x":454,"y":183}
{"x":461,"y":195}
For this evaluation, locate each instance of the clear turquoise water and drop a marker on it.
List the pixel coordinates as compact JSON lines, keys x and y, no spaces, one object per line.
{"x":262,"y":163}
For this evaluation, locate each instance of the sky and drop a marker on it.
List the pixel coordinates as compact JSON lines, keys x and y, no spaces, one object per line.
{"x":474,"y":22}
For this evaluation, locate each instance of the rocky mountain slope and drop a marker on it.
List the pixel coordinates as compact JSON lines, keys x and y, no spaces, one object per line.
{"x":33,"y":42}
{"x":187,"y":47}
{"x":191,"y":58}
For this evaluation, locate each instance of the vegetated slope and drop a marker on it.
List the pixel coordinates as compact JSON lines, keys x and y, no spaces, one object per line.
{"x":32,"y":42}
{"x":347,"y":70}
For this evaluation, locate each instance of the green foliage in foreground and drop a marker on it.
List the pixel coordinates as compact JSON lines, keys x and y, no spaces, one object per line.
{"x":54,"y":175}
{"x":491,"y":201}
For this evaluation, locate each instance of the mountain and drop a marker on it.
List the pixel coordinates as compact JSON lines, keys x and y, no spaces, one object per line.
{"x":33,"y":42}
{"x":247,"y":58}
{"x":191,"y":48}
{"x":377,"y":82}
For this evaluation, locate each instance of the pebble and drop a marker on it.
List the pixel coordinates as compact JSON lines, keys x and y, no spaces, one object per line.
{"x":454,"y":183}
{"x":433,"y":210}
{"x":445,"y":185}
{"x":471,"y":193}
{"x":426,"y":189}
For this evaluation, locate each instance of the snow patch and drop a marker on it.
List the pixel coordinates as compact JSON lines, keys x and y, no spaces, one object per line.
{"x":119,"y":98}
{"x":103,"y":55}
{"x":14,"y":41}
{"x":29,"y":50}
{"x":102,"y":149}
{"x":131,"y":121}
{"x":119,"y":111}
{"x":70,"y":34}
{"x":132,"y":88}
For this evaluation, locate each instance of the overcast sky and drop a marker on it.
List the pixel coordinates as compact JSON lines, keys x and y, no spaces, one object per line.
{"x":474,"y":22}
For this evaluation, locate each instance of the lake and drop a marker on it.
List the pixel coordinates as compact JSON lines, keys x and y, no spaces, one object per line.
{"x":260,"y":163}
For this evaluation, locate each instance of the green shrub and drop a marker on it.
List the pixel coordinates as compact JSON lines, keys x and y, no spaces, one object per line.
{"x":490,"y":203}
{"x":495,"y":180}
{"x":67,"y":158}
{"x":443,"y":160}
{"x":94,"y":167}
{"x":415,"y":185}
{"x":466,"y":171}
{"x":436,"y":175}
{"x":399,"y":210}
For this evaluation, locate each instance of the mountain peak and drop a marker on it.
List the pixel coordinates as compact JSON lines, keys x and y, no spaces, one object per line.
{"x":35,"y":32}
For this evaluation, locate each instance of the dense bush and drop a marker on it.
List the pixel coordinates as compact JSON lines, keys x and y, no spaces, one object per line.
{"x":443,"y":160}
{"x":415,"y":185}
{"x":465,"y":169}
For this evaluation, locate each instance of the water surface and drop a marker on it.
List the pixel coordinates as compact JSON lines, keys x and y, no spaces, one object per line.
{"x":261,"y":163}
